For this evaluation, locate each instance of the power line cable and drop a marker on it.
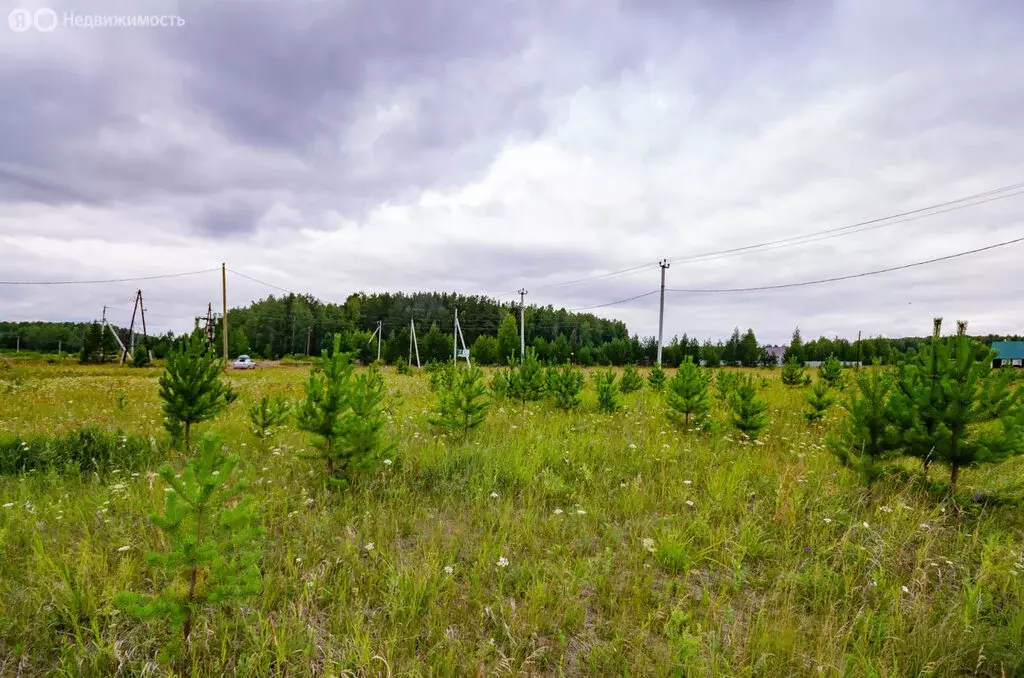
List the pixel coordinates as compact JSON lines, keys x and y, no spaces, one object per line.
{"x":100,"y":282}
{"x":263,"y":282}
{"x":984,"y":197}
{"x":851,"y":276}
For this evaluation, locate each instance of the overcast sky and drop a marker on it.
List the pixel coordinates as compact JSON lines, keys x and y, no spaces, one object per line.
{"x":480,"y":146}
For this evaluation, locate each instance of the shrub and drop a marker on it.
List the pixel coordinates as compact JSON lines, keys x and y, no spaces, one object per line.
{"x":464,"y":405}
{"x":140,"y":358}
{"x":607,"y":391}
{"x":402,"y":367}
{"x":213,"y":544}
{"x":566,"y":385}
{"x":85,"y":450}
{"x":631,"y":380}
{"x":749,"y":412}
{"x":687,"y":397}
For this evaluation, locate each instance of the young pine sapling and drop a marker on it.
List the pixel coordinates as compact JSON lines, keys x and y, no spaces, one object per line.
{"x":191,"y":387}
{"x":749,"y":412}
{"x":344,"y":411}
{"x":607,"y":391}
{"x":631,"y":380}
{"x":266,"y":416}
{"x":793,"y":373}
{"x":656,"y":378}
{"x":566,"y":385}
{"x":464,"y":406}
{"x":688,"y":396}
{"x":868,"y":436}
{"x":820,"y":398}
{"x":213,"y":539}
{"x":831,"y":372}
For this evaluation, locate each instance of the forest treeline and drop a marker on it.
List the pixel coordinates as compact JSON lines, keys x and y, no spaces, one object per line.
{"x":275,"y":327}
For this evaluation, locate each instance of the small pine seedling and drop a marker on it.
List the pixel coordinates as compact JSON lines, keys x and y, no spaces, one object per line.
{"x":191,"y":388}
{"x":819,"y":398}
{"x":831,"y":372}
{"x":214,"y":545}
{"x":442,"y":377}
{"x":566,"y":385}
{"x":464,"y":406}
{"x":725,"y":383}
{"x":869,"y":435}
{"x":793,"y":373}
{"x":688,"y":397}
{"x":268,"y":415}
{"x":749,"y":412}
{"x":345,"y":412}
{"x":607,"y":391}
{"x":527,"y":382}
{"x":656,"y":378}
{"x":631,"y":380}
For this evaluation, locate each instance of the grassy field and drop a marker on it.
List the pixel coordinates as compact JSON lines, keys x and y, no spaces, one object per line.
{"x":632,"y":548}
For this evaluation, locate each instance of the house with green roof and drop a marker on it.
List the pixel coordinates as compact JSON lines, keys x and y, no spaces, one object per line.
{"x":1008,"y":353}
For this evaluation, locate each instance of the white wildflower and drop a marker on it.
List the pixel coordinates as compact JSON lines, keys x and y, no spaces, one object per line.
{"x":581,"y":512}
{"x":369,"y":547}
{"x":828,"y":521}
{"x":905,"y":589}
{"x":632,"y":446}
{"x":865,"y":524}
{"x":494,"y":495}
{"x":885,"y":509}
{"x":387,"y":462}
{"x":298,"y":560}
{"x":648,"y":544}
{"x":689,"y":502}
{"x":503,"y":562}
{"x":9,"y":504}
{"x":687,"y":482}
{"x":559,"y":511}
{"x":124,"y":548}
{"x":448,"y":569}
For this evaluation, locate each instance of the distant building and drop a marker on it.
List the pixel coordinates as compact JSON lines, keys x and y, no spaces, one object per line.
{"x":1008,"y":353}
{"x":778,"y":351}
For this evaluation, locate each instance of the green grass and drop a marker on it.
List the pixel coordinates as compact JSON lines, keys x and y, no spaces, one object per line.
{"x":633,"y":548}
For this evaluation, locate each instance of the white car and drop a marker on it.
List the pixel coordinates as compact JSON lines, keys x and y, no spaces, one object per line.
{"x":244,"y":362}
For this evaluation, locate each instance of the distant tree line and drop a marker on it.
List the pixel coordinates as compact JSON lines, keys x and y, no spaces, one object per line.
{"x":275,"y":327}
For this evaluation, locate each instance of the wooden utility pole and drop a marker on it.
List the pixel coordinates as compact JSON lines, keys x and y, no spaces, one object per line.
{"x":661,"y":312}
{"x":309,"y":341}
{"x":413,"y":344}
{"x":858,"y":350}
{"x":131,"y":331}
{"x":224,"y":300}
{"x":145,"y":333}
{"x":522,"y":325}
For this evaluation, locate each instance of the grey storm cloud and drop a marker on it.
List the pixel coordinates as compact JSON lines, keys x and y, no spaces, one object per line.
{"x":330,"y":147}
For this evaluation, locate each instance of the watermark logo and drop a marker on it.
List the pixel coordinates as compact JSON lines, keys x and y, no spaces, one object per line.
{"x":45,"y":20}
